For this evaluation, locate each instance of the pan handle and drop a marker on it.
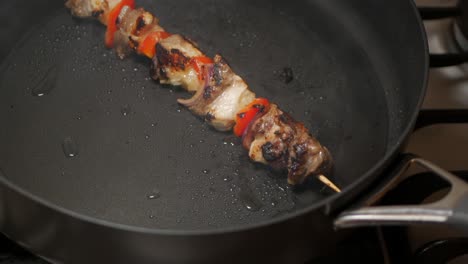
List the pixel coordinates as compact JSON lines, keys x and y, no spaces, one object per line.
{"x":451,"y":210}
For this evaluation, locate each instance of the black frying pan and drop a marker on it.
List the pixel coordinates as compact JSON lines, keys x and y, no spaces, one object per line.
{"x":101,"y":163}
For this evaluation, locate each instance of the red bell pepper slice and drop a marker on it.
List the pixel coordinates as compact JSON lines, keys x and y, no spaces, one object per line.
{"x":148,"y":46}
{"x":246,"y":115}
{"x":112,"y":20}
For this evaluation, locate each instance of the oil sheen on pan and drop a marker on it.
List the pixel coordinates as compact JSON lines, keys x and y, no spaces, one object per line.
{"x":107,"y":134}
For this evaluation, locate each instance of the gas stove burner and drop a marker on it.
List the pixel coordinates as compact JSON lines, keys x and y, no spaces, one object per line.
{"x":460,"y":40}
{"x":441,"y":247}
{"x":460,"y":26}
{"x":442,"y":251}
{"x":455,"y":38}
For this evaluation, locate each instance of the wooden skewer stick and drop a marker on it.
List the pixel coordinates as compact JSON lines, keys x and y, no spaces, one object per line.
{"x":329,"y":183}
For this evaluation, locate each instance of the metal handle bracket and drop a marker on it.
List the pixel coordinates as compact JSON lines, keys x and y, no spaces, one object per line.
{"x":453,"y":208}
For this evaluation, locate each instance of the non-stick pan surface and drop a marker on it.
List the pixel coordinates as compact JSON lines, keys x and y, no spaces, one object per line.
{"x":93,"y":134}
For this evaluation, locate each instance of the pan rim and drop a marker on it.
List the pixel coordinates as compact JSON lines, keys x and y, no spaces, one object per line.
{"x":382,"y":163}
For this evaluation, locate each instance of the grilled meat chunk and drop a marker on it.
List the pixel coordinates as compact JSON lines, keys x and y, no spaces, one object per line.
{"x":134,"y":26}
{"x":276,"y":139}
{"x":223,"y":96}
{"x":87,"y":8}
{"x":173,"y":65}
{"x":92,"y":8}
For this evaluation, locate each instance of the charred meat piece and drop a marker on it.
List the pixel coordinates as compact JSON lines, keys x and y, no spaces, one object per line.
{"x":134,"y":26}
{"x":173,"y":63}
{"x":223,"y":96}
{"x":277,"y":140}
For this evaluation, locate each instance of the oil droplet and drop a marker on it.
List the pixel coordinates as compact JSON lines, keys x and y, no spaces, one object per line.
{"x":147,"y":137}
{"x":46,"y":84}
{"x":273,"y":202}
{"x":231,"y":140}
{"x":70,"y":148}
{"x":151,"y":216}
{"x":187,"y":171}
{"x":250,"y":201}
{"x":154,"y":195}
{"x":205,"y":171}
{"x":227,"y":178}
{"x":125,"y":110}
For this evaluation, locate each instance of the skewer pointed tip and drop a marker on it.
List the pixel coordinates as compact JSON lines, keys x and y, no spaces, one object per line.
{"x":329,"y":183}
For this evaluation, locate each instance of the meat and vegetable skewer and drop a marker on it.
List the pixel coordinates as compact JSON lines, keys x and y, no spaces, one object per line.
{"x":220,"y":96}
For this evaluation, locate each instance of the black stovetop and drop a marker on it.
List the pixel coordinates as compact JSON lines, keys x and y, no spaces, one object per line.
{"x":360,"y":248}
{"x":11,"y":253}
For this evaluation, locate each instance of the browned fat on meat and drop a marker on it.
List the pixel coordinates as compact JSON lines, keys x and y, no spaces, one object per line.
{"x":223,"y":95}
{"x":219,"y":79}
{"x":134,"y":26}
{"x":277,"y":140}
{"x":172,"y":63}
{"x":87,"y":8}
